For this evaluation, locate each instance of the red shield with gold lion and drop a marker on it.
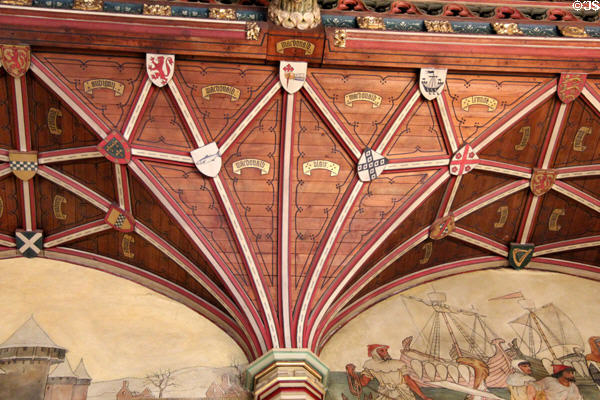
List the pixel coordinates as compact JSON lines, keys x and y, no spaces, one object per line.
{"x":16,"y":59}
{"x":542,"y":180}
{"x":570,"y":86}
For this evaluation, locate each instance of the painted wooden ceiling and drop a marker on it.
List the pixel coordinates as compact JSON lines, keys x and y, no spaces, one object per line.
{"x":286,"y":243}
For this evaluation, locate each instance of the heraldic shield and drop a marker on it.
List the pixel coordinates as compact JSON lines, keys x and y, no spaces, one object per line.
{"x":463,"y":161}
{"x":119,"y":219}
{"x":16,"y":59}
{"x":519,"y":254}
{"x":542,"y":180}
{"x":570,"y":86}
{"x":24,"y":164}
{"x":431,"y":82}
{"x":292,"y":75}
{"x":160,"y":68}
{"x":370,"y":165}
{"x":29,"y":243}
{"x":442,"y":227}
{"x":115,"y":148}
{"x":208,"y":159}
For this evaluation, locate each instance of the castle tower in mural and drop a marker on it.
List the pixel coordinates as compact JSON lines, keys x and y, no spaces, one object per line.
{"x":80,"y":389}
{"x":60,"y":383}
{"x":25,"y":358}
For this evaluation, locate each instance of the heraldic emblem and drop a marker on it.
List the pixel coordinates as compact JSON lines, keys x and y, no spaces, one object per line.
{"x":160,"y":68}
{"x":119,"y":219}
{"x":442,"y":227}
{"x":463,"y":161}
{"x":292,"y":75}
{"x":29,"y":243}
{"x":431,"y":82}
{"x":115,"y":148}
{"x":208,"y":159}
{"x":370,"y":165}
{"x":542,"y":180}
{"x":16,"y":59}
{"x":24,"y":164}
{"x":570,"y":86}
{"x":519,"y":254}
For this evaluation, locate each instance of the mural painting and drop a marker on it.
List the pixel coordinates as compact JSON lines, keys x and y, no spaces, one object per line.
{"x":519,"y":335}
{"x":73,"y":333}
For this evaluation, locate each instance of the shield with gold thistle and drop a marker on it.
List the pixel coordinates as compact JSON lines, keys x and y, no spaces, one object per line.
{"x":24,"y":164}
{"x":442,"y":227}
{"x":16,"y":59}
{"x":519,"y":254}
{"x":542,"y":180}
{"x":570,"y":86}
{"x":119,"y":219}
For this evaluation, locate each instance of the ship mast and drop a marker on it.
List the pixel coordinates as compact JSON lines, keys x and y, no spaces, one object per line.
{"x":542,"y":334}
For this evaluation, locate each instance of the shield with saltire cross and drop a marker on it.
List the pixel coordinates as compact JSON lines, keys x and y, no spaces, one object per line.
{"x":29,"y":243}
{"x":463,"y":161}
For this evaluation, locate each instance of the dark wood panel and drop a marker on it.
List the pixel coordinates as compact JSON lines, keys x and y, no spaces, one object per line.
{"x":97,"y":173}
{"x":6,"y":112}
{"x":587,"y":256}
{"x":580,"y":138}
{"x":477,"y":183}
{"x":11,"y":216}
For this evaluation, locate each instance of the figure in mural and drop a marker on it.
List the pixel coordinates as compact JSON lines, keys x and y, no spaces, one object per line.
{"x":394,"y":381}
{"x":520,"y":382}
{"x":559,"y":386}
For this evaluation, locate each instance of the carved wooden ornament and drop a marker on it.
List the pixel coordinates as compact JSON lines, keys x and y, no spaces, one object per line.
{"x":431,"y":82}
{"x":292,"y":75}
{"x":208,"y":159}
{"x":160,"y":68}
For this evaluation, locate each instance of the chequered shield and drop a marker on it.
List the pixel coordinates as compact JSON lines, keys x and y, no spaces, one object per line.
{"x":24,"y":164}
{"x":570,"y":86}
{"x":115,"y":148}
{"x":370,"y":165}
{"x":463,"y":161}
{"x":431,"y":82}
{"x":160,"y":68}
{"x":542,"y":180}
{"x":520,"y":254}
{"x":292,"y":75}
{"x":207,"y":159}
{"x":442,"y":227}
{"x":29,"y":243}
{"x":119,"y":219}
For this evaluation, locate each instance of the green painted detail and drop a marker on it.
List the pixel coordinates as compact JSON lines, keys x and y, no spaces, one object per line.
{"x":275,"y":355}
{"x":125,"y":8}
{"x":339,"y":21}
{"x":593,"y":31}
{"x":477,"y":28}
{"x":251,"y":15}
{"x":189,"y":12}
{"x":404,"y":25}
{"x":539,"y":30}
{"x":66,"y":4}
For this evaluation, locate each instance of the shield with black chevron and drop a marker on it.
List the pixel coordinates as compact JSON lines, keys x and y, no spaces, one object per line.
{"x":119,"y":219}
{"x":29,"y":243}
{"x":24,"y":164}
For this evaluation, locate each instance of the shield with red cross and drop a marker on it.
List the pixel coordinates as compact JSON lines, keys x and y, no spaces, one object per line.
{"x":463,"y":161}
{"x":292,"y":75}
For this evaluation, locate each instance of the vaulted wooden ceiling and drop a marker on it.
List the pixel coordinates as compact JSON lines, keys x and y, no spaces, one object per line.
{"x":283,"y":249}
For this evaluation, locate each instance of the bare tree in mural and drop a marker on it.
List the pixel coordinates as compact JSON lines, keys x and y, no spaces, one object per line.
{"x":161,"y":380}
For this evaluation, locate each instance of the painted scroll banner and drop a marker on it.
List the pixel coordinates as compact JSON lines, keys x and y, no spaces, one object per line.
{"x":231,"y":91}
{"x":117,"y":87}
{"x":332,"y":167}
{"x":308,"y":47}
{"x":263,"y":166}
{"x":489,"y":102}
{"x":53,"y":115}
{"x":364,"y":96}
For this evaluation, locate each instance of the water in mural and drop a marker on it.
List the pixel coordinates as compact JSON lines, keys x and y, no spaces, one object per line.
{"x":456,"y":340}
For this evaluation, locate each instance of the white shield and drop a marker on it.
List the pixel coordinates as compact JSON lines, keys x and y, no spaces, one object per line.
{"x":370,"y":165}
{"x":207,"y":159}
{"x":463,"y":161}
{"x":431,"y":82}
{"x":160,"y":68}
{"x":292,"y":75}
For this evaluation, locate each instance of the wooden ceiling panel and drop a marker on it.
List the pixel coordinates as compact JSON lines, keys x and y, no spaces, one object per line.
{"x":500,"y":220}
{"x":57,"y":209}
{"x":579,"y":142}
{"x":148,"y":211}
{"x":477,"y":101}
{"x":587,"y":256}
{"x":477,"y":183}
{"x":132,"y":249}
{"x":375,"y":205}
{"x":255,"y":191}
{"x":419,"y":135}
{"x":160,"y":125}
{"x":10,"y":208}
{"x":200,"y":202}
{"x":316,"y":194}
{"x":106,"y":84}
{"x":6,"y":122}
{"x":561,"y":218}
{"x":364,"y":101}
{"x":219,"y":94}
{"x":419,"y":258}
{"x":589,"y":184}
{"x":98,"y":174}
{"x":53,"y":125}
{"x":522,"y":144}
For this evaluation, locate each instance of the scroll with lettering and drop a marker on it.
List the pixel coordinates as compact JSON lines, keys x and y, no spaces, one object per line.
{"x":92,"y":84}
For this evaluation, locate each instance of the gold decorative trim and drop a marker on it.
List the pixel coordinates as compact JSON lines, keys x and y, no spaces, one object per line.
{"x":510,"y":29}
{"x":339,"y":38}
{"x":252,"y":31}
{"x":222,"y":13}
{"x":17,"y":2}
{"x":157,"y":9}
{"x":369,"y":22}
{"x":439,"y":26}
{"x":88,"y":5}
{"x":573,"y":31}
